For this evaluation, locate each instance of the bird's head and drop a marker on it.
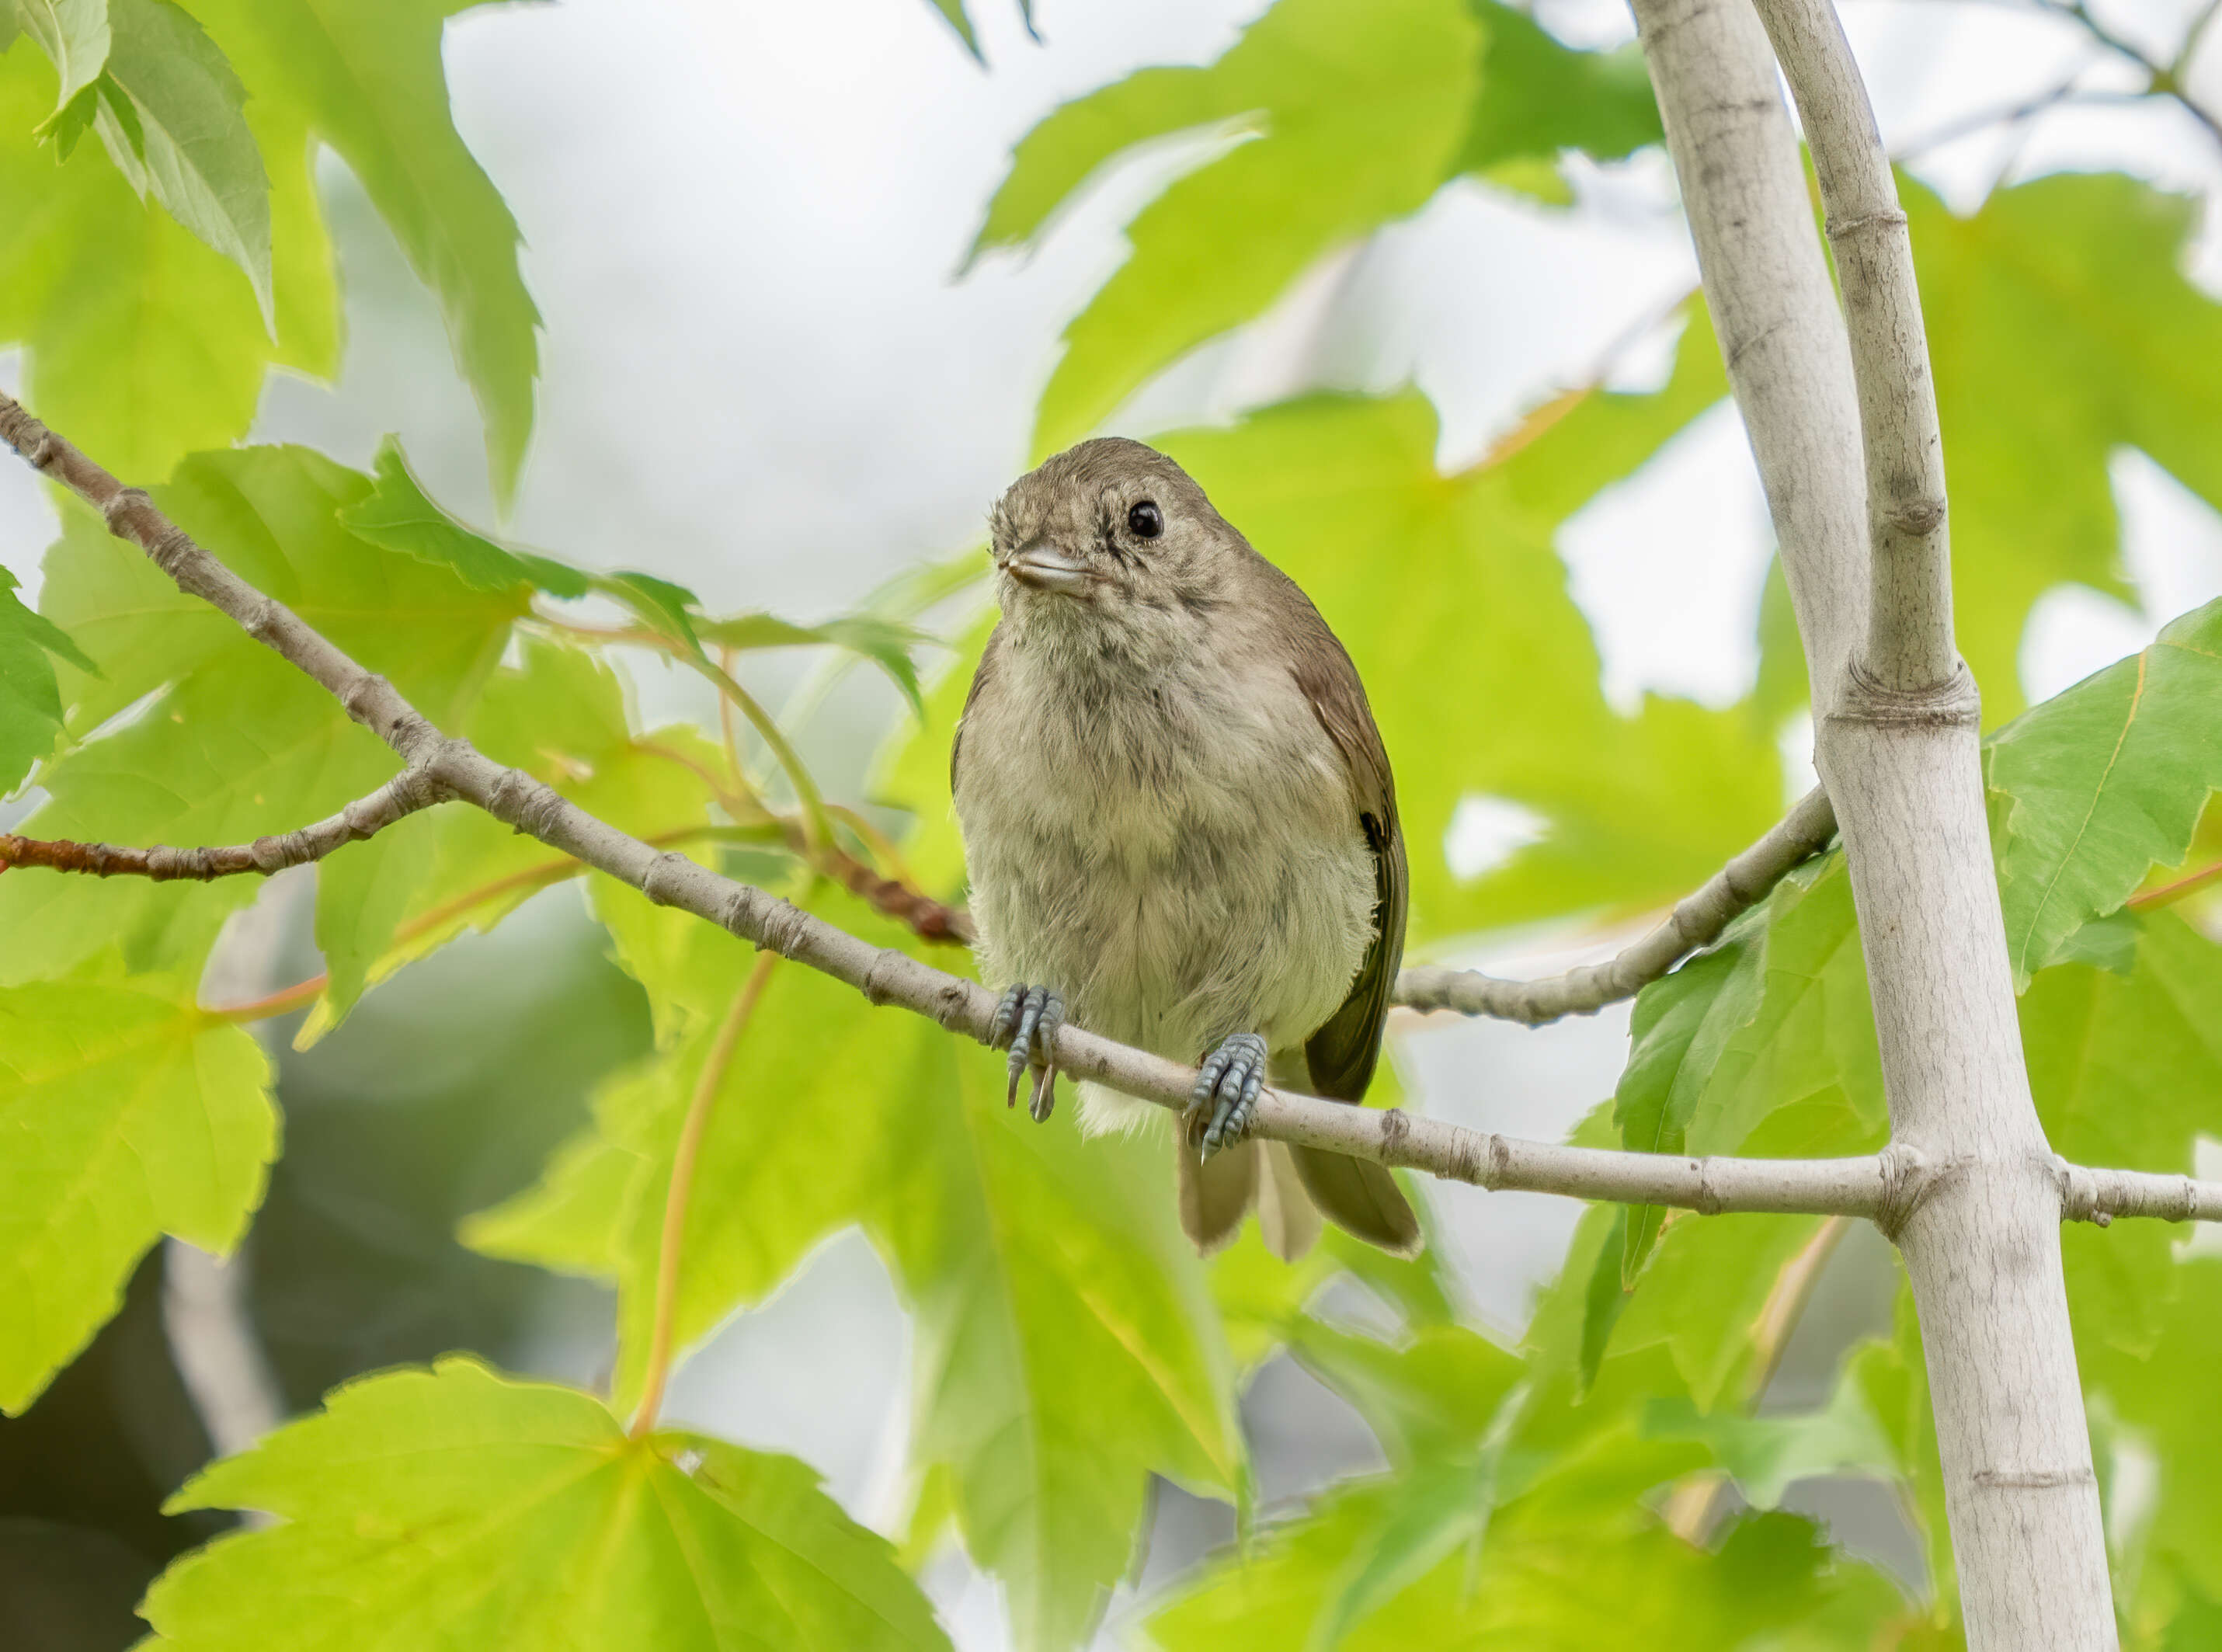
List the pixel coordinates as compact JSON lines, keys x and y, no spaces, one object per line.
{"x":1106,"y":534}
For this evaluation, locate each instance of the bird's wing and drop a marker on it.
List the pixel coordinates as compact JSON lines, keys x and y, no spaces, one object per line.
{"x":980,"y":679}
{"x":1342,"y":1052}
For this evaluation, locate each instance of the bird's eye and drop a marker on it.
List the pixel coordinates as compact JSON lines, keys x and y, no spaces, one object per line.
{"x":1145,"y":520}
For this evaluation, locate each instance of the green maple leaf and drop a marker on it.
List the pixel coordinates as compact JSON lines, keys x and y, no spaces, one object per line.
{"x":1353,"y":115}
{"x":2165,"y":1394}
{"x":1064,"y":1346}
{"x":129,"y":1113}
{"x":30,"y":700}
{"x":1333,"y":117}
{"x":237,"y":742}
{"x":455,"y":1508}
{"x":1552,"y":1572}
{"x":74,"y":36}
{"x":2060,"y":327}
{"x":172,"y":115}
{"x":598,"y":1208}
{"x":2104,"y":783}
{"x":1674,"y":1040}
{"x":144,"y":342}
{"x":2126,"y":1069}
{"x":559,"y":714}
{"x":368,"y":80}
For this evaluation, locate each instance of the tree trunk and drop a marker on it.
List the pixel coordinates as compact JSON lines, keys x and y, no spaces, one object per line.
{"x":1897,"y":742}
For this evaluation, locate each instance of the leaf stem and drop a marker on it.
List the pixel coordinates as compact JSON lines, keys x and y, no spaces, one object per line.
{"x":2168,"y":894}
{"x":681,"y":1189}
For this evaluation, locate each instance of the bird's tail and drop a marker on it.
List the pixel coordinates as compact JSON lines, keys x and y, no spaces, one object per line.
{"x":1292,"y":1187}
{"x":1360,"y":1197}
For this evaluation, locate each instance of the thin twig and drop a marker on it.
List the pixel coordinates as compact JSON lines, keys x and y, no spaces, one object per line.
{"x":1886,"y":1187}
{"x":892,"y":897}
{"x":413,"y":789}
{"x":2168,"y":894}
{"x":301,"y":994}
{"x":681,"y":1189}
{"x":767,"y":728}
{"x":2162,"y":80}
{"x":1696,"y":922}
{"x":2013,"y":113}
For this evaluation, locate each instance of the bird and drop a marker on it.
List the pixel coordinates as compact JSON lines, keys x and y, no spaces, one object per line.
{"x":1180,"y":830}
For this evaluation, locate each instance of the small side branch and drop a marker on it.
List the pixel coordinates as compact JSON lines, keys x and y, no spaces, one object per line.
{"x":1909,"y":646}
{"x":1883,"y":1187}
{"x":413,"y":789}
{"x":2100,"y":1195}
{"x":1695,"y":923}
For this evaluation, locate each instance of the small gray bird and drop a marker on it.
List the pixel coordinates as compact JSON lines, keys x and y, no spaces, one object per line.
{"x":1181,"y":828}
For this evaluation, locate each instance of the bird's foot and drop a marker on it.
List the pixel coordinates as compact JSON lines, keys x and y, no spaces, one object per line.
{"x":1027,"y":1020}
{"x":1226,"y":1093}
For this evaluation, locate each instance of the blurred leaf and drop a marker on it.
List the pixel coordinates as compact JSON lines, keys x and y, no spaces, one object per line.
{"x":1342,"y":116}
{"x":1891,"y":1374}
{"x":1675,"y":1037}
{"x":953,"y":12}
{"x":1430,"y":1396}
{"x":30,"y":700}
{"x":1764,"y":1454}
{"x":1606,"y":1298}
{"x":2103,"y":784}
{"x":1441,"y":1507}
{"x":74,"y":36}
{"x":2061,"y":327}
{"x":188,"y":129}
{"x":1460,"y":598}
{"x":2166,"y":1397}
{"x":781,"y":1185}
{"x":1538,"y":98}
{"x":560,"y":715}
{"x":237,"y":742}
{"x":2126,"y":1070}
{"x":128,"y":1114}
{"x":1063,"y":1346}
{"x":369,"y":81}
{"x":455,"y":1507}
{"x":144,"y":343}
{"x":1542,"y":1583}
{"x":1354,"y":113}
{"x":2196,"y":1627}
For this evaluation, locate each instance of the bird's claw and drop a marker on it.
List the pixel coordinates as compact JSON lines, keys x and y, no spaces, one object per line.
{"x":1226,"y":1093}
{"x":1027,"y":1020}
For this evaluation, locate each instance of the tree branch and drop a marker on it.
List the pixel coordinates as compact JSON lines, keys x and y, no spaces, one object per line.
{"x":1884,"y":1187}
{"x":1696,"y":922}
{"x":1898,"y":746}
{"x":2162,"y":80}
{"x":1909,"y":644}
{"x":413,"y":789}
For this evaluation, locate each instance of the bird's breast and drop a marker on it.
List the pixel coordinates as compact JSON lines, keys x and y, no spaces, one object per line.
{"x":1179,"y":857}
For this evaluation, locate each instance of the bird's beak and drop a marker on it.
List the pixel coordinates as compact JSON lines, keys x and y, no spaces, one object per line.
{"x":1040,"y":566}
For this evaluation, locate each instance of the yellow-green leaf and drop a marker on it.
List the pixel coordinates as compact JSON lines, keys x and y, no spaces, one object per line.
{"x":125,"y":1114}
